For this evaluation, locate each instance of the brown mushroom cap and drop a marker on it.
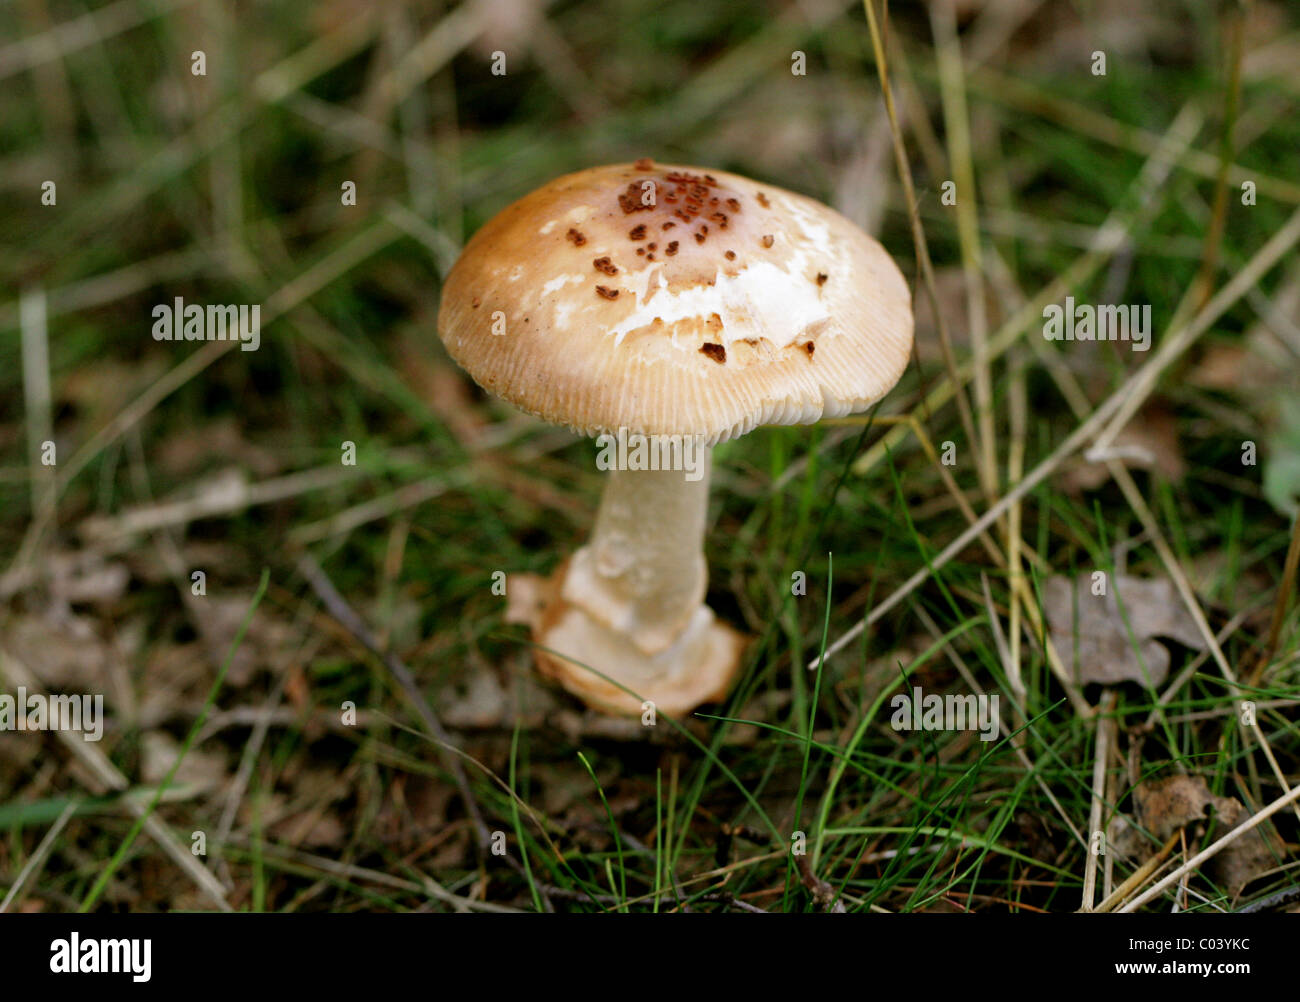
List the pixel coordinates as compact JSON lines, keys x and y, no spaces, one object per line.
{"x":674,"y":301}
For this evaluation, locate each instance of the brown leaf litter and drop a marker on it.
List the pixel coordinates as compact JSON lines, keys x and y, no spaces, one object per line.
{"x":1169,"y":803}
{"x":1092,"y":634}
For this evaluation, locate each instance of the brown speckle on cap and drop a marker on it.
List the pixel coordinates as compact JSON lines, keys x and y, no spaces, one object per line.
{"x":630,"y":200}
{"x":645,"y":163}
{"x":690,"y":298}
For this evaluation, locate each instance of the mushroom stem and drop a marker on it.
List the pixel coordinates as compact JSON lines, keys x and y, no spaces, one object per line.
{"x":643,"y":572}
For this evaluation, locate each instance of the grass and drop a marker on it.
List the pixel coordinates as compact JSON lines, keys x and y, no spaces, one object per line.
{"x":226,"y":188}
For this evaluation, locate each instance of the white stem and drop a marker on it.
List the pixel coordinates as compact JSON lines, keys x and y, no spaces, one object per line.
{"x":643,"y":573}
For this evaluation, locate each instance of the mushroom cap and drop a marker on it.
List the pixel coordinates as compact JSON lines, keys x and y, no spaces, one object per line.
{"x":671,"y":300}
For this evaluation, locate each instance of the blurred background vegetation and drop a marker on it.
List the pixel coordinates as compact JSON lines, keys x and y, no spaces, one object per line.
{"x":226,"y":188}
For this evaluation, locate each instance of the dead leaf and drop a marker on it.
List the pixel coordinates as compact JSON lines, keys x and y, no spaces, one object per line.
{"x":1097,"y":643}
{"x":1222,"y":367}
{"x":1250,"y":855}
{"x":479,"y":701}
{"x":86,"y":577}
{"x":268,"y":641}
{"x":1172,"y":802}
{"x":1261,"y":365}
{"x":1149,"y":442}
{"x":65,"y":654}
{"x":187,"y":450}
{"x":172,"y":673}
{"x":200,"y":770}
{"x":309,"y":816}
{"x":310,"y":830}
{"x":412,"y":809}
{"x":1127,"y":841}
{"x":99,"y":391}
{"x":1165,"y":805}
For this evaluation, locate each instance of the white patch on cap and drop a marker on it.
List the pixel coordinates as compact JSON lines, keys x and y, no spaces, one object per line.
{"x":761,"y":301}
{"x":815,"y":231}
{"x":560,"y":282}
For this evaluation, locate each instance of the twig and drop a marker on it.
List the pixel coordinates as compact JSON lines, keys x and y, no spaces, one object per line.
{"x":1204,"y":282}
{"x":1105,"y":734}
{"x":106,"y":776}
{"x":1173,"y":344}
{"x":1214,"y":849}
{"x":37,"y":859}
{"x":304,"y":285}
{"x":823,"y":893}
{"x":449,"y":36}
{"x":1285,"y":587}
{"x":426,"y":885}
{"x":1273,"y":902}
{"x":1031,"y":767}
{"x":1106,"y":240}
{"x":1116,"y":409}
{"x":350,"y":621}
{"x":918,"y":231}
{"x":952,"y":90}
{"x":92,"y":28}
{"x":1138,"y":877}
{"x":36,"y":394}
{"x":1019,"y":405}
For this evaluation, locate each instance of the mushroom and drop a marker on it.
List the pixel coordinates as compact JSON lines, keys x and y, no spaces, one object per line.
{"x":666,"y":309}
